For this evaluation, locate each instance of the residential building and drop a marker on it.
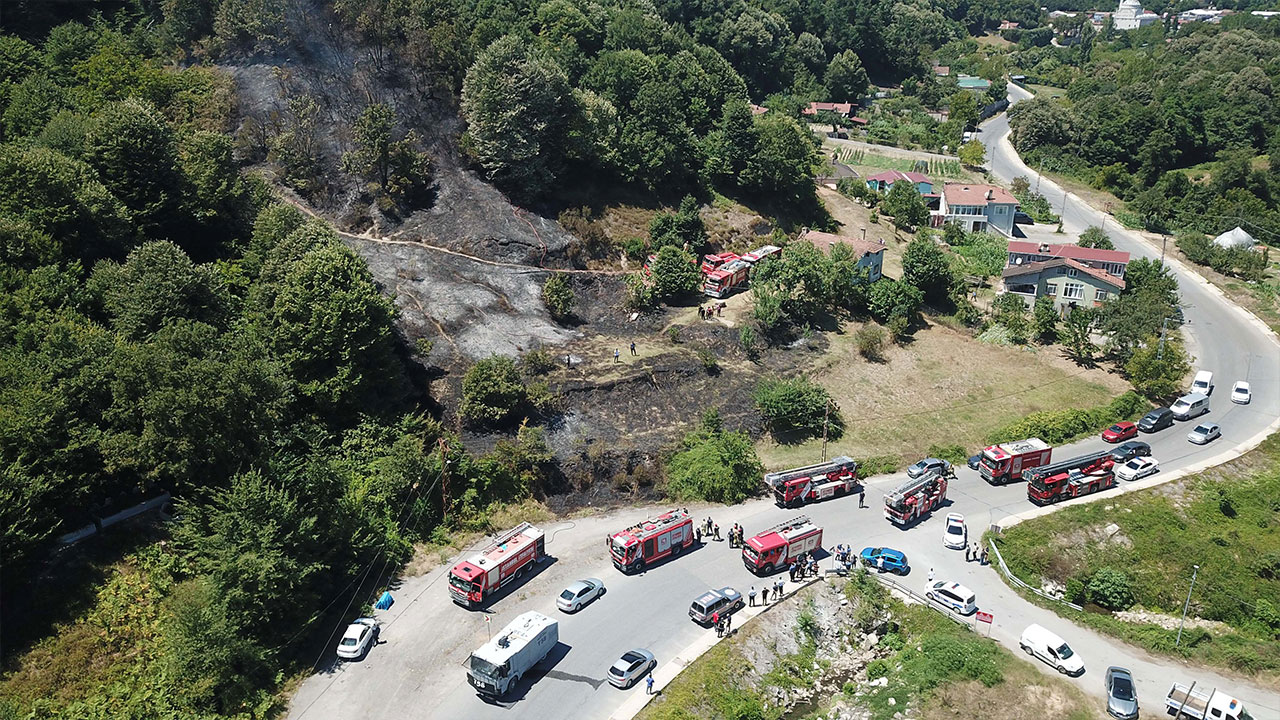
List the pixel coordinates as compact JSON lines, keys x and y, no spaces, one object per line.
{"x":841,"y":109}
{"x":1112,"y":262}
{"x":758,"y":109}
{"x":942,"y":70}
{"x":870,"y":254}
{"x":977,"y":208}
{"x":882,"y":181}
{"x":1131,"y":16}
{"x":1202,"y":15}
{"x":1068,"y":282}
{"x":1009,"y":25}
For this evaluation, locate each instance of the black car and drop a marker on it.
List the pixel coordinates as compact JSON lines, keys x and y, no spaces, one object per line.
{"x":1158,"y":419}
{"x":974,"y":461}
{"x":1021,"y":218}
{"x":1130,"y":450}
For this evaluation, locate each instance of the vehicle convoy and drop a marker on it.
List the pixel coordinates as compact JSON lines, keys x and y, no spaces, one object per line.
{"x":508,"y":557}
{"x":1200,"y":704}
{"x":1067,"y":479}
{"x":795,"y":487}
{"x":651,"y":540}
{"x":915,"y":498}
{"x":1006,"y":463}
{"x":499,"y":664}
{"x":779,"y":545}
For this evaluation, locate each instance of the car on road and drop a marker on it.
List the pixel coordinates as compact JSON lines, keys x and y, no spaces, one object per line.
{"x":955,"y":535}
{"x":1130,"y":450}
{"x":579,"y":593}
{"x":632,"y":666}
{"x":927,"y":465}
{"x":1122,"y":698}
{"x":1120,"y":431}
{"x":359,"y":637}
{"x":887,"y":559}
{"x":1205,"y":433}
{"x":724,"y":601}
{"x":1190,"y":406}
{"x":1156,"y":420}
{"x":1138,"y":467}
{"x":1241,"y":393}
{"x":953,"y":596}
{"x":1051,"y":649}
{"x":1203,"y":383}
{"x":975,"y":461}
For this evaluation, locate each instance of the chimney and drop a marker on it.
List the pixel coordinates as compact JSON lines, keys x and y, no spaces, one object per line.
{"x":990,"y":194}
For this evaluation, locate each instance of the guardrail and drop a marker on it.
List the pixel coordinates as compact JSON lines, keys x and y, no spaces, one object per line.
{"x":953,"y":617}
{"x":1014,"y":579}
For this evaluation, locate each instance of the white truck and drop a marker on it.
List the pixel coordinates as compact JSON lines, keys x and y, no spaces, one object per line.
{"x":1189,"y":702}
{"x":498,"y":665}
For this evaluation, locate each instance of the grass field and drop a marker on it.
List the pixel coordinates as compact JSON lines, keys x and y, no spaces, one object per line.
{"x":866,"y":163}
{"x":943,"y":387}
{"x":1046,"y":91}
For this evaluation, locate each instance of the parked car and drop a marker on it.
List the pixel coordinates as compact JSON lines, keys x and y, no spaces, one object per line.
{"x":1039,"y":642}
{"x":1203,"y":383}
{"x":1130,"y":450}
{"x":359,"y":637}
{"x":632,"y":666}
{"x":1120,"y":431}
{"x":956,"y":535}
{"x":1204,"y":433}
{"x":1021,"y":218}
{"x":1241,"y":393}
{"x":887,"y":559}
{"x":579,"y":593}
{"x":953,"y":596}
{"x":1122,"y":698}
{"x":725,"y":600}
{"x":975,"y":461}
{"x":1138,"y":467}
{"x":1156,"y":420}
{"x":926,"y":465}
{"x":1190,"y":406}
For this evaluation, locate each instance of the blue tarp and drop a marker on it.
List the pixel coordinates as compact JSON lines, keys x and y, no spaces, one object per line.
{"x":385,"y":602}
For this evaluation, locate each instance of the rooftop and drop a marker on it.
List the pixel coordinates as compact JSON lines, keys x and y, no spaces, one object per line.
{"x":1074,"y":252}
{"x":824,"y":241}
{"x":817,"y":107}
{"x":892,"y":176}
{"x":1036,"y":267}
{"x":965,"y":194}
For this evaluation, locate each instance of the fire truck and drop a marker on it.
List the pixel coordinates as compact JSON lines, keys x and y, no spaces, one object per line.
{"x":916,"y":497}
{"x":651,"y":540}
{"x":761,"y":253}
{"x":713,"y":262}
{"x":507,"y":558}
{"x":1002,"y":464}
{"x":1070,"y":478}
{"x":792,"y":488}
{"x":779,"y":545}
{"x":725,"y":279}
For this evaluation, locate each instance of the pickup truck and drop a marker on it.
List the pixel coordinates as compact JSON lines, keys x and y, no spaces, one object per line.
{"x":1204,"y":705}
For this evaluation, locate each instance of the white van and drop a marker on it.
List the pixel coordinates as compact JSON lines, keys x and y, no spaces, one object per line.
{"x":1203,"y":383}
{"x":1190,"y":406}
{"x":1051,"y":649}
{"x":953,"y":596}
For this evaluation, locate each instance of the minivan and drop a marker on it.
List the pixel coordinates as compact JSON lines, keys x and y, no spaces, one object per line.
{"x":1203,"y":383}
{"x":1190,"y":406}
{"x":953,"y":596}
{"x":1050,"y":648}
{"x":1158,"y":419}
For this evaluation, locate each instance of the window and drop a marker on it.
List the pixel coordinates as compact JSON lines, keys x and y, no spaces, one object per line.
{"x":1071,"y":272}
{"x":1073,"y":291}
{"x":1051,"y":290}
{"x":1101,"y":295}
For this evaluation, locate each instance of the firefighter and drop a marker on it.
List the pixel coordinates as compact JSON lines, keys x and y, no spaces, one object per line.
{"x":716,"y":526}
{"x":697,"y":535}
{"x":715,"y":620}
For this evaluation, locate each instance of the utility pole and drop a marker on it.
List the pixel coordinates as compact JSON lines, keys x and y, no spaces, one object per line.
{"x":826,"y":415}
{"x":1164,"y":240}
{"x":1186,"y":605}
{"x":444,"y":486}
{"x":1164,"y":324}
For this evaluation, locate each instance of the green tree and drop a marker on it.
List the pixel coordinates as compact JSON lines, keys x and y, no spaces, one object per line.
{"x":217,"y":197}
{"x":558,"y":296}
{"x":845,"y":79}
{"x":794,"y":409}
{"x":1157,"y":372}
{"x":784,"y":159}
{"x":973,"y":153}
{"x":1045,"y":320}
{"x":212,"y":658}
{"x":395,"y":167}
{"x":135,"y":152}
{"x":156,"y":285}
{"x":889,"y":300}
{"x":1077,"y":335}
{"x":905,"y":205}
{"x":675,"y":273}
{"x":1011,"y":311}
{"x":1111,"y":588}
{"x":492,"y":390}
{"x":925,"y":265}
{"x":683,"y":228}
{"x":1095,"y":237}
{"x":964,"y":109}
{"x":714,"y":465}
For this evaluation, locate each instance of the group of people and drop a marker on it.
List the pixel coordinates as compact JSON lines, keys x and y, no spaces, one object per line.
{"x":806,"y":565}
{"x":709,"y":528}
{"x":735,"y":535}
{"x":722,"y":623}
{"x":776,"y":586}
{"x":973,"y":553}
{"x":843,"y":553}
{"x":712,"y":310}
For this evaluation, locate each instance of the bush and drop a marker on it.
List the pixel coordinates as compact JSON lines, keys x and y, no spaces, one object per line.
{"x":492,"y":391}
{"x":708,"y":359}
{"x":1059,"y":426}
{"x":536,"y":363}
{"x":750,"y":343}
{"x":888,"y":298}
{"x":794,"y":409}
{"x":870,"y":340}
{"x":1111,"y":589}
{"x":879,"y":465}
{"x":558,"y":296}
{"x":639,"y":294}
{"x":715,"y":466}
{"x":954,"y":454}
{"x":675,"y":273}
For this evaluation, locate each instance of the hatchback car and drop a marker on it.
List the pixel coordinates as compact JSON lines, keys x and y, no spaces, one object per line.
{"x":1204,"y":433}
{"x":956,"y":535}
{"x":1122,"y":698}
{"x":886,"y":559}
{"x":1241,"y":393}
{"x":1130,"y":450}
{"x":579,"y":593}
{"x":1136,"y":468}
{"x":632,"y":666}
{"x":927,"y":465}
{"x":1120,"y":431}
{"x":975,"y":461}
{"x":1155,"y":420}
{"x":359,"y":637}
{"x":725,"y":600}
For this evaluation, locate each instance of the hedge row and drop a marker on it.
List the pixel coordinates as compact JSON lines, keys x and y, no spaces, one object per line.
{"x":1059,"y":426}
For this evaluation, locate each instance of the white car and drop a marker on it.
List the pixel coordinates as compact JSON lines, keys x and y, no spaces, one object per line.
{"x":579,"y":593}
{"x":953,"y":596}
{"x":631,"y":667}
{"x":1204,"y":433}
{"x":1138,"y":467}
{"x":1241,"y":393}
{"x":956,"y":535}
{"x":359,"y":637}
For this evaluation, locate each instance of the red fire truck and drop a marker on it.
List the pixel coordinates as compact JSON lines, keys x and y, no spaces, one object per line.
{"x":792,"y":488}
{"x":725,"y":279}
{"x":1070,"y":478}
{"x":1003,"y":464}
{"x":779,"y":545}
{"x":508,"y":557}
{"x":916,"y":497}
{"x":761,"y":253}
{"x":712,"y":262}
{"x":650,"y":541}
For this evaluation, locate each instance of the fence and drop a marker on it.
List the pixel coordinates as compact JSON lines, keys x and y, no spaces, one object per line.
{"x":1014,"y":579}
{"x":894,"y":584}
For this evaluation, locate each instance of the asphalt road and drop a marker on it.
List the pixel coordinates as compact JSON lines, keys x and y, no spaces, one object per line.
{"x":418,"y":668}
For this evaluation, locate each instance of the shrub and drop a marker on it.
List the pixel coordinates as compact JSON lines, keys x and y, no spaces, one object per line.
{"x":558,"y":296}
{"x":715,"y":466}
{"x":639,"y":294}
{"x":492,"y":391}
{"x":870,"y":341}
{"x":537,"y":362}
{"x":954,"y":454}
{"x":708,"y":358}
{"x":877,"y":668}
{"x":879,"y":465}
{"x":1058,"y":426}
{"x":675,"y":273}
{"x":635,"y":248}
{"x":1111,"y":589}
{"x":888,"y":298}
{"x":750,"y":343}
{"x":795,"y":408}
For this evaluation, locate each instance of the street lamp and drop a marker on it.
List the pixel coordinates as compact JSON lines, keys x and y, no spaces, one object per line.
{"x":1186,"y":605}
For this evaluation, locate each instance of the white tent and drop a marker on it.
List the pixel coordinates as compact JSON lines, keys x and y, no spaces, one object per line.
{"x":1235,"y":238}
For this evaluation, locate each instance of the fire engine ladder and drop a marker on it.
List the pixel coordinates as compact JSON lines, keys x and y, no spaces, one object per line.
{"x":788,"y":525}
{"x":821,"y":469}
{"x":658,"y":523}
{"x":508,"y":536}
{"x":910,"y":487}
{"x":1044,"y":471}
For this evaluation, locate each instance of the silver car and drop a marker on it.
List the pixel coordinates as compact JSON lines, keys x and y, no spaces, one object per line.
{"x":1122,"y":698}
{"x":1204,"y":433}
{"x":631,"y":667}
{"x":723,"y":601}
{"x":929,"y":465}
{"x":579,"y":593}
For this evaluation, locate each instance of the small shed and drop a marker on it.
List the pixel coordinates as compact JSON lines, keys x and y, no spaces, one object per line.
{"x":1235,"y":238}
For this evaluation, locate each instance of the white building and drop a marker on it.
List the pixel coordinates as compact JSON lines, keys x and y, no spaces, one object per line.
{"x":1131,"y":16}
{"x":977,"y":208}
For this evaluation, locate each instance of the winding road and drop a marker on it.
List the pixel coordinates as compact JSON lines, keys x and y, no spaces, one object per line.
{"x":418,"y":668}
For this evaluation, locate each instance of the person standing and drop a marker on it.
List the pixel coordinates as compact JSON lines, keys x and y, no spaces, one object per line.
{"x":728,"y":624}
{"x":752,"y":596}
{"x":931,"y":575}
{"x":764,"y":595}
{"x":715,"y":620}
{"x":862,"y":497}
{"x":617,"y":355}
{"x":968,"y":554}
{"x":777,"y":592}
{"x":717,"y":529}
{"x":983,"y":561}
{"x":648,"y":685}
{"x":697,"y":535}
{"x":633,"y":348}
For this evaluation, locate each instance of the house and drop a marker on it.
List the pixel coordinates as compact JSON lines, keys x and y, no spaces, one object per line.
{"x":1131,"y":16}
{"x":942,"y":70}
{"x":758,"y":110}
{"x":977,"y":208}
{"x":841,"y":109}
{"x":882,"y":181}
{"x":1009,"y":25}
{"x":1235,"y":238}
{"x":1112,"y":262}
{"x":870,"y":254}
{"x":1201,"y":15}
{"x":1068,"y":282}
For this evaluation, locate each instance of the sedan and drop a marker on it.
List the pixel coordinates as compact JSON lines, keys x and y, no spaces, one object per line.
{"x":928,"y":465}
{"x":956,"y":536}
{"x":975,"y":461}
{"x":1137,"y":468}
{"x":1122,"y":699}
{"x":1130,"y":450}
{"x":1204,"y":433}
{"x":1120,"y":431}
{"x":579,"y":593}
{"x":1241,"y":393}
{"x":631,"y":667}
{"x":885,"y":559}
{"x":359,"y":637}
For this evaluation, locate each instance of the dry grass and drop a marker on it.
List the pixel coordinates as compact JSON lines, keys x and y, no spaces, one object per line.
{"x":1023,"y":687}
{"x":428,"y":556}
{"x":994,"y":40}
{"x":853,"y":216}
